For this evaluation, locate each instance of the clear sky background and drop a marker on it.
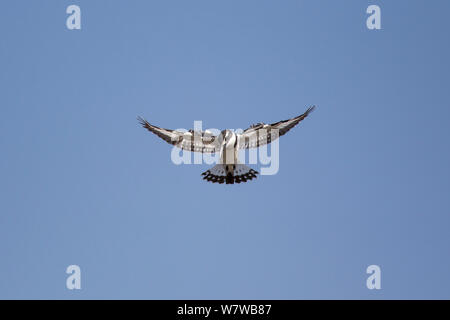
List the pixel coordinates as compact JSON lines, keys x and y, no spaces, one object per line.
{"x":364,"y":180}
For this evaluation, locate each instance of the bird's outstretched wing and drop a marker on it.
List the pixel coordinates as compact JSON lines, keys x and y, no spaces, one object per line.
{"x":195,"y":141}
{"x":261,"y":133}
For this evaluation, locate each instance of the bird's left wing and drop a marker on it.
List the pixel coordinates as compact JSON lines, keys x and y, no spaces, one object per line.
{"x":261,"y":133}
{"x":195,"y":141}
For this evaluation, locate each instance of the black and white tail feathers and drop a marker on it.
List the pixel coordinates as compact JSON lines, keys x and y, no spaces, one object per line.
{"x":229,"y":173}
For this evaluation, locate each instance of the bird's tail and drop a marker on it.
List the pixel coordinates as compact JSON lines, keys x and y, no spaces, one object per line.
{"x":229,"y":173}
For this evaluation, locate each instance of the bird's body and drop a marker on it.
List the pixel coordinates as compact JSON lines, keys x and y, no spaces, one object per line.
{"x":229,"y":153}
{"x":229,"y":169}
{"x":228,"y":149}
{"x":228,"y":144}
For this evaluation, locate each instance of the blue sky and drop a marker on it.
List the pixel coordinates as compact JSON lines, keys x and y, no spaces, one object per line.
{"x":364,"y":180}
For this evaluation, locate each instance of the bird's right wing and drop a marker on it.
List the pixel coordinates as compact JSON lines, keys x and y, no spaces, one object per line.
{"x":195,"y":141}
{"x":261,"y":133}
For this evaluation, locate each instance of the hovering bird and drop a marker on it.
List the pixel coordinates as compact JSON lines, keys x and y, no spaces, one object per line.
{"x":228,"y":144}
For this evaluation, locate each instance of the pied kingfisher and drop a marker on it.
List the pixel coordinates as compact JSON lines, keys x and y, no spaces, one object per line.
{"x":228,"y":143}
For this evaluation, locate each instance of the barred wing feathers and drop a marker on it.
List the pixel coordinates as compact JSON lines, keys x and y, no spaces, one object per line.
{"x":261,"y":133}
{"x":195,"y":141}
